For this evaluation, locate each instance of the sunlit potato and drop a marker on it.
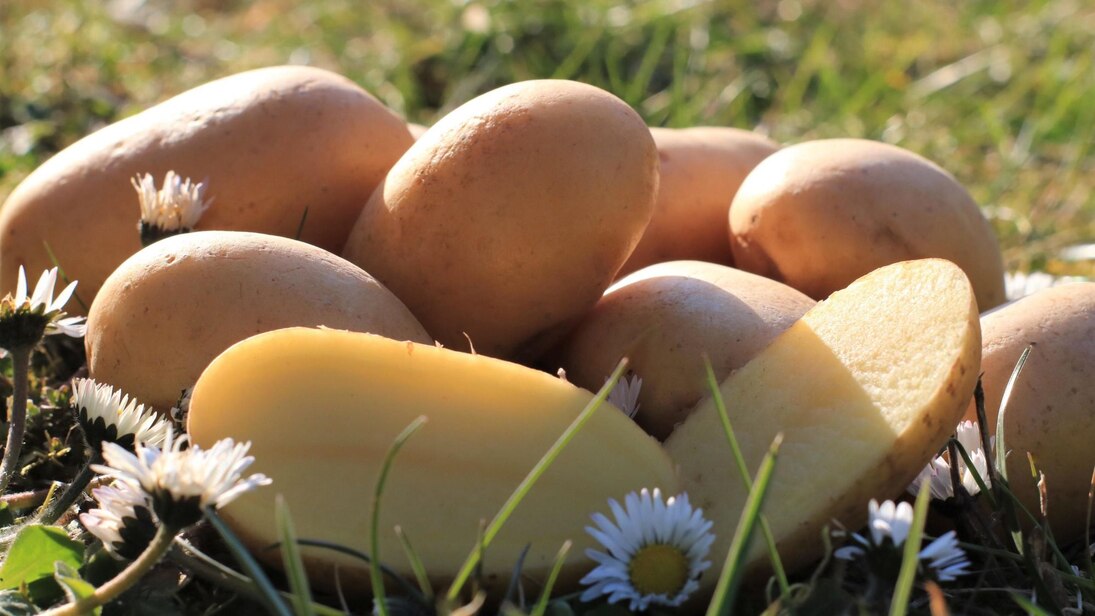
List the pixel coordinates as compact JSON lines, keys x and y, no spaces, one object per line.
{"x":865,"y":388}
{"x":701,"y":169}
{"x":1051,"y":413}
{"x":322,"y":408}
{"x":664,"y":319}
{"x":168,"y":310}
{"x":819,"y":214}
{"x":509,"y":218}
{"x":288,"y":150}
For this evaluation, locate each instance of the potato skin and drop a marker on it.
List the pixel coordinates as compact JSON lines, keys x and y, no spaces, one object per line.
{"x":512,"y":214}
{"x":168,"y":310}
{"x":1051,"y":412}
{"x":819,"y":214}
{"x":701,"y":170}
{"x":270,"y":144}
{"x":664,"y":318}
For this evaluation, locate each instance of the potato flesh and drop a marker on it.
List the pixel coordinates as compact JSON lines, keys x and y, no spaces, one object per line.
{"x":865,"y":388}
{"x":322,"y":407}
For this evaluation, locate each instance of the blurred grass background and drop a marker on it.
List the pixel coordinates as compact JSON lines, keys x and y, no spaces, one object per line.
{"x":1002,"y":94}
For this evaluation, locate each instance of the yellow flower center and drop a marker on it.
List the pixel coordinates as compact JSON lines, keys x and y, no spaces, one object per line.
{"x":658,"y":569}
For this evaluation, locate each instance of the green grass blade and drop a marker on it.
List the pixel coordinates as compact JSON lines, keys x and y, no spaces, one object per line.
{"x":416,"y":563}
{"x":1001,"y":456}
{"x":739,"y":460}
{"x":1030,"y":608}
{"x":375,"y":576}
{"x":268,"y":594}
{"x":526,"y":484}
{"x":726,"y":590}
{"x":545,"y":596}
{"x":363,"y":557}
{"x":910,"y":558}
{"x":291,"y":558}
{"x":1001,"y":445}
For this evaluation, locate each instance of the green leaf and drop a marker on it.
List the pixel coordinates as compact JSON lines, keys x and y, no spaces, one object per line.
{"x":75,"y":587}
{"x":32,"y":556}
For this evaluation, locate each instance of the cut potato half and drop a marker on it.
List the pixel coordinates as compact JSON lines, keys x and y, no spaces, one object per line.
{"x":322,"y":408}
{"x":865,"y":388}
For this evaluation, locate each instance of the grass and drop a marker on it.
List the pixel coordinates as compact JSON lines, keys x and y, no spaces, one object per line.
{"x":1001,"y":94}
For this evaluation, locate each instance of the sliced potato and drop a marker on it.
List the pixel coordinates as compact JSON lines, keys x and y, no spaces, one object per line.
{"x":865,"y":389}
{"x":322,"y":408}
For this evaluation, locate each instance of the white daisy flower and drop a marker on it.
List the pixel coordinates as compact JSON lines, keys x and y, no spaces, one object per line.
{"x":625,"y":395}
{"x":889,"y":525}
{"x":656,"y":551}
{"x":106,"y":415}
{"x":938,"y":472}
{"x":175,"y":208}
{"x":25,"y":318}
{"x":1021,"y":284}
{"x":123,"y":521}
{"x":182,"y":481}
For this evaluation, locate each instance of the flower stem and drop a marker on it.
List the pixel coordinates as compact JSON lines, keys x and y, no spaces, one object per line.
{"x":56,"y":507}
{"x":20,"y":360}
{"x":124,"y":580}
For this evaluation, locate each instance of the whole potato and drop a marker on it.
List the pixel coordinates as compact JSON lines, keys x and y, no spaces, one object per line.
{"x":168,"y":310}
{"x":664,"y":318}
{"x":512,"y":214}
{"x":819,"y":214}
{"x":701,"y":170}
{"x":1051,"y":412}
{"x":281,"y":149}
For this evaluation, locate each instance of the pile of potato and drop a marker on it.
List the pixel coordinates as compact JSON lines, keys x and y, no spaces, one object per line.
{"x":542,"y":226}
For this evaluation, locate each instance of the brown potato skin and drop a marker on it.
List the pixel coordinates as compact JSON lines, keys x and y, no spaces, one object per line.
{"x":701,"y":170}
{"x":511,"y":215}
{"x":819,"y":214}
{"x":664,"y":318}
{"x":168,"y":310}
{"x":1051,"y":412}
{"x":417,"y":130}
{"x":270,"y":144}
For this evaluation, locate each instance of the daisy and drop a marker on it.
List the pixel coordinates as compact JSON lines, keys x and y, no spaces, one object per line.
{"x":625,"y":395}
{"x":182,"y":481}
{"x":123,"y":521}
{"x":25,"y":318}
{"x":655,"y":551}
{"x":106,"y":415}
{"x":889,"y":525}
{"x":938,"y":472}
{"x":175,"y":208}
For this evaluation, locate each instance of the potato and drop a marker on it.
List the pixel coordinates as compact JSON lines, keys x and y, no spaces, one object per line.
{"x":271,"y":145}
{"x":168,"y":310}
{"x":820,"y":214}
{"x":489,"y":423}
{"x":865,"y":388}
{"x":701,"y":169}
{"x":417,"y":130}
{"x":1051,"y":413}
{"x":664,"y":318}
{"x":512,"y":214}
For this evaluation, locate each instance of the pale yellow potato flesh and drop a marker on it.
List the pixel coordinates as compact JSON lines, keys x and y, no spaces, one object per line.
{"x":865,"y":388}
{"x":322,"y":408}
